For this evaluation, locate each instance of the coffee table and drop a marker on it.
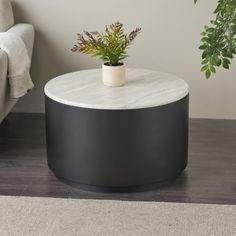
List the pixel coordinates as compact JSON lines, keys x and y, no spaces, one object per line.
{"x":119,"y":139}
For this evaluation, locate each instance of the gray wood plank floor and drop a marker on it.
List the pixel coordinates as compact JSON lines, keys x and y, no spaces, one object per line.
{"x":209,"y":178}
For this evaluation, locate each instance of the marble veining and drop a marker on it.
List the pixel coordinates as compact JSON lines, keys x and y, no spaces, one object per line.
{"x":143,"y":89}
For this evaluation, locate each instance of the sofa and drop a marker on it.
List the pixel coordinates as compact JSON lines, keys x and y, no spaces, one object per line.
{"x":26,"y":32}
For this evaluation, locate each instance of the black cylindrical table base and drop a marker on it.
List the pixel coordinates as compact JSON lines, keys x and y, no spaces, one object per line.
{"x":117,"y":150}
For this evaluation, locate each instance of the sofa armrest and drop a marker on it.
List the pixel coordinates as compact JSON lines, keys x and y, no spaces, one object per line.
{"x":3,"y":65}
{"x":6,"y":103}
{"x":26,"y":32}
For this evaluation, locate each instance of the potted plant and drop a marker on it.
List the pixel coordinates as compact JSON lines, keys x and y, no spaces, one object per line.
{"x":219,"y":39}
{"x":111,"y":46}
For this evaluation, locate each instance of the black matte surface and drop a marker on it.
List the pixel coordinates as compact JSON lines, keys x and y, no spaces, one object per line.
{"x":117,"y":148}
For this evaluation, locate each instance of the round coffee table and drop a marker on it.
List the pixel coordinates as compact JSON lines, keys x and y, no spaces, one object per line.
{"x":129,"y":138}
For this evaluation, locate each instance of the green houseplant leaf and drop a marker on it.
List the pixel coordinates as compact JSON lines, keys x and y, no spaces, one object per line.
{"x":218,"y":41}
{"x":110,"y":46}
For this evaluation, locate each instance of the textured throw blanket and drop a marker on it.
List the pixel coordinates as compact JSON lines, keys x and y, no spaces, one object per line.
{"x":18,"y":64}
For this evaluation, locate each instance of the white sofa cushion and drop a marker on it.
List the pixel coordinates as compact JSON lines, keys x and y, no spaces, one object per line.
{"x":6,"y":15}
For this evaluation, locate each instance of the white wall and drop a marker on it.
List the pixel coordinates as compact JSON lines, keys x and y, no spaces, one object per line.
{"x":169,"y":42}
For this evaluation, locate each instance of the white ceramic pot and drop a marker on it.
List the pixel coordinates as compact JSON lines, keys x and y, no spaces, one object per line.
{"x":113,"y":76}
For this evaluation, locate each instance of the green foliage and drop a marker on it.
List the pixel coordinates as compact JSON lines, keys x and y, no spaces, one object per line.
{"x":110,"y":45}
{"x":219,"y":38}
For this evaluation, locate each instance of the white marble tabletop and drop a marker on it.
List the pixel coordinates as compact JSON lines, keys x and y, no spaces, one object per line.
{"x":143,"y":89}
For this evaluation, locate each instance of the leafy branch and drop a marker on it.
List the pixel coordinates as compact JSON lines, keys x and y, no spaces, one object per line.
{"x":110,"y":46}
{"x":219,"y":39}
